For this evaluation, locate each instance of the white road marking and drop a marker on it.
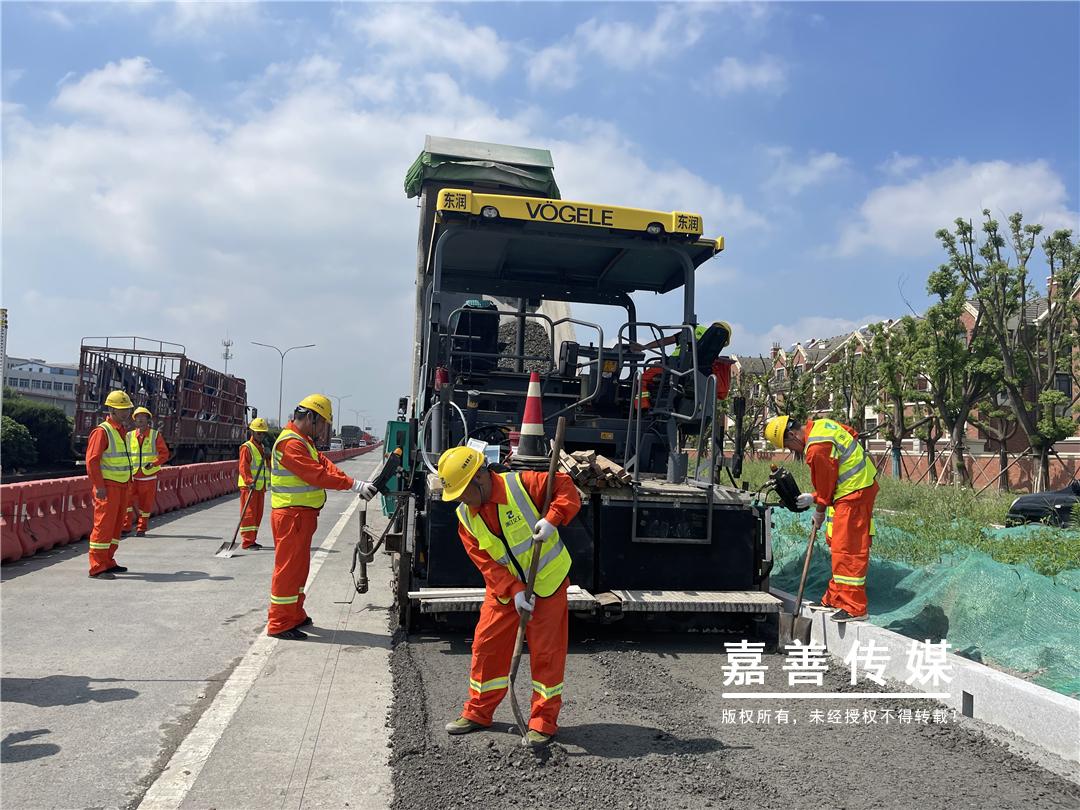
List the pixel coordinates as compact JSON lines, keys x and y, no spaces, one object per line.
{"x":184,"y":766}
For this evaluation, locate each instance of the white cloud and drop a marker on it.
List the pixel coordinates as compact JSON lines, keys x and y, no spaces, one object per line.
{"x":282,"y":220}
{"x":898,"y":165}
{"x":199,"y":18}
{"x":418,"y":36}
{"x":733,"y":75}
{"x":53,"y":15}
{"x":901,"y":219}
{"x":792,"y":176}
{"x":553,"y":68}
{"x":628,"y":46}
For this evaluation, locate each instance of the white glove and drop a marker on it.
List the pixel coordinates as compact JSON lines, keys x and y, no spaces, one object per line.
{"x":365,"y":489}
{"x":805,"y":500}
{"x":521,"y":603}
{"x":817,"y":519}
{"x":543,"y":529}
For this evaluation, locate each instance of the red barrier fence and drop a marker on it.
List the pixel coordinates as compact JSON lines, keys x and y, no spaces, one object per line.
{"x":36,"y":515}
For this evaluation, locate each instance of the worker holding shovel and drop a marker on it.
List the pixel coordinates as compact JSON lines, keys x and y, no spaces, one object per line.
{"x":498,"y":524}
{"x":253,"y":477}
{"x":844,"y":491}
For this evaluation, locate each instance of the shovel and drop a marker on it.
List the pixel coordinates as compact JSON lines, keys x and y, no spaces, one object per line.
{"x":794,"y":626}
{"x":226,"y":549}
{"x":534,"y":564}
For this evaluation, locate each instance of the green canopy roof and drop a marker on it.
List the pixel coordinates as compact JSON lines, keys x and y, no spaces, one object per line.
{"x":505,"y":168}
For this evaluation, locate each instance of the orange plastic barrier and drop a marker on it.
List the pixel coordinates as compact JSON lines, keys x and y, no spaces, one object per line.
{"x":11,"y":546}
{"x":186,"y":488}
{"x":43,"y":513}
{"x":78,"y":508}
{"x":166,"y":499}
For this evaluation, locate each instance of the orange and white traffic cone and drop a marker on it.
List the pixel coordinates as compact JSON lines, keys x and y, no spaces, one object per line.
{"x":532,"y":445}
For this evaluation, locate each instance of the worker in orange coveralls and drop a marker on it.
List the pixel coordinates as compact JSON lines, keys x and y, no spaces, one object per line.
{"x":721,"y":366}
{"x":498,"y":521}
{"x":254,"y":473}
{"x":108,"y":466}
{"x":299,"y":478}
{"x":844,"y":492}
{"x":148,"y":453}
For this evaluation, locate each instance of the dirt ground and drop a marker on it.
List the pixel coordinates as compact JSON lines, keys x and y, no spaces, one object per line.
{"x":644,"y":726}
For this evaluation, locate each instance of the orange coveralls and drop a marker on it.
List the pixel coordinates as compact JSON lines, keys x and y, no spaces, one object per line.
{"x":496,"y":631}
{"x":293,"y":528}
{"x":108,"y":512}
{"x":850,"y":543}
{"x":252,"y":501}
{"x":143,"y":488}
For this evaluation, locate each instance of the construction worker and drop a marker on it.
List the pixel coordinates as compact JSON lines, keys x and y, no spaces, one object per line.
{"x":254,"y":476}
{"x":148,"y":453}
{"x":299,"y":478}
{"x":108,"y":466}
{"x":498,"y":520}
{"x":844,"y":491}
{"x":720,"y":366}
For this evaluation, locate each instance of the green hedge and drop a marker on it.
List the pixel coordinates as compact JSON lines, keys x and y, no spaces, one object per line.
{"x":16,"y":445}
{"x":48,"y":426}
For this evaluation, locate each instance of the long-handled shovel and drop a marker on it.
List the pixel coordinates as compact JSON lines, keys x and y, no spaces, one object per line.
{"x":795,"y":627}
{"x":227,"y":548}
{"x":534,"y":563}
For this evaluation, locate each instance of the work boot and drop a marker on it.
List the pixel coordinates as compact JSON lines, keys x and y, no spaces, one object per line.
{"x":140,"y":533}
{"x":306,"y":622}
{"x":820,"y":606}
{"x":842,"y":616}
{"x":463,"y":725}
{"x":104,"y":575}
{"x":293,"y":634}
{"x":253,"y":547}
{"x":118,"y":569}
{"x":537,"y":739}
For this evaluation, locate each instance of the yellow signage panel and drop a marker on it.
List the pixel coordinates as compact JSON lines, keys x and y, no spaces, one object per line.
{"x":568,"y":212}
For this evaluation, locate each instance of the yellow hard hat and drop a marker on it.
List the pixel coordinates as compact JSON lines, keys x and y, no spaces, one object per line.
{"x":457,"y":466}
{"x":774,"y":431}
{"x":118,"y":400}
{"x":139,"y":410}
{"x":258,"y":426}
{"x":319,"y":404}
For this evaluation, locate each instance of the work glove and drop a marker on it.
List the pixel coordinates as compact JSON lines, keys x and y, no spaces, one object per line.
{"x":543,"y":529}
{"x":817,"y":519}
{"x":523,"y":604}
{"x":365,"y":489}
{"x":805,"y":500}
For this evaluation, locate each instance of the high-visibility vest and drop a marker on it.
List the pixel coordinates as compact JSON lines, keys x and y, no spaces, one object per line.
{"x":856,"y":470}
{"x":259,"y":475}
{"x":515,"y":548}
{"x":115,"y":461}
{"x":143,"y":455}
{"x":699,"y":333}
{"x":287,"y":489}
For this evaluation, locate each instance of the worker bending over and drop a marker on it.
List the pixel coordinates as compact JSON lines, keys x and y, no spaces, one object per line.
{"x":148,"y":454}
{"x":299,"y":478}
{"x":844,"y":492}
{"x":498,"y":521}
{"x":254,"y":473}
{"x":108,"y":466}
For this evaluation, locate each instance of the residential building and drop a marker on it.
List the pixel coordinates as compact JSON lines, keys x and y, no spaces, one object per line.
{"x":38,"y":380}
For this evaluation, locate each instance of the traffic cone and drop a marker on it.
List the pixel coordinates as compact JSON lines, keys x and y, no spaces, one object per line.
{"x":532,"y":445}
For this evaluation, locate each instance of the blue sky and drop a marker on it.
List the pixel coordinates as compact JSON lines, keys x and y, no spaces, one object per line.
{"x":183,"y":170}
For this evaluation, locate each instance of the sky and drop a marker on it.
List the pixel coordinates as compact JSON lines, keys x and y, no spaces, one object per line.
{"x":188,"y":172}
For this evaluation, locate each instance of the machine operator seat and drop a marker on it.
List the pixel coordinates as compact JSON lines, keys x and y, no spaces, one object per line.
{"x":475,"y":329}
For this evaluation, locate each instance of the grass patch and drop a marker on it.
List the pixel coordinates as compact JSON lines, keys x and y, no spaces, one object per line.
{"x":935,"y":521}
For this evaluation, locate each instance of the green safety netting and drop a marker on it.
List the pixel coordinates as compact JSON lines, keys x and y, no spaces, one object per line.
{"x":1006,"y":616}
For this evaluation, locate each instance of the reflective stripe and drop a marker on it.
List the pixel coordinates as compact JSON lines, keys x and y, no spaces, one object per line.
{"x":287,"y":489}
{"x":116,"y":460}
{"x":489,"y":686}
{"x":855,"y":471}
{"x":297,"y":489}
{"x":301,"y":591}
{"x":857,"y":581}
{"x":550,"y":556}
{"x":248,"y":528}
{"x":144,"y":514}
{"x":101,"y":546}
{"x":259,"y":473}
{"x":547,"y":692}
{"x":858,"y":468}
{"x":284,"y":600}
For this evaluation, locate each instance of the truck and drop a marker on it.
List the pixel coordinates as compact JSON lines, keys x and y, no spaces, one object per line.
{"x":351,"y":435}
{"x":669,"y":544}
{"x":202,"y":413}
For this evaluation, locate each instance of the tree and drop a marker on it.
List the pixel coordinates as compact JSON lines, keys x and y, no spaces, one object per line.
{"x":956,"y":358}
{"x":853,"y":385}
{"x":1036,"y":339}
{"x":47,"y":424}
{"x":892,"y":353}
{"x":16,"y":445}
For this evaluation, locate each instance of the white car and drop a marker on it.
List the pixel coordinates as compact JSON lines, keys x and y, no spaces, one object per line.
{"x":337,"y":444}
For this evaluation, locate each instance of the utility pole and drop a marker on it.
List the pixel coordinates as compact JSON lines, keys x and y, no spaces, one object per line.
{"x":281,"y":375}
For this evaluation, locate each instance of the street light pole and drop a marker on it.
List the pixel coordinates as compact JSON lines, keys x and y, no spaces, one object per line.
{"x":337,"y":408}
{"x":281,"y":373}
